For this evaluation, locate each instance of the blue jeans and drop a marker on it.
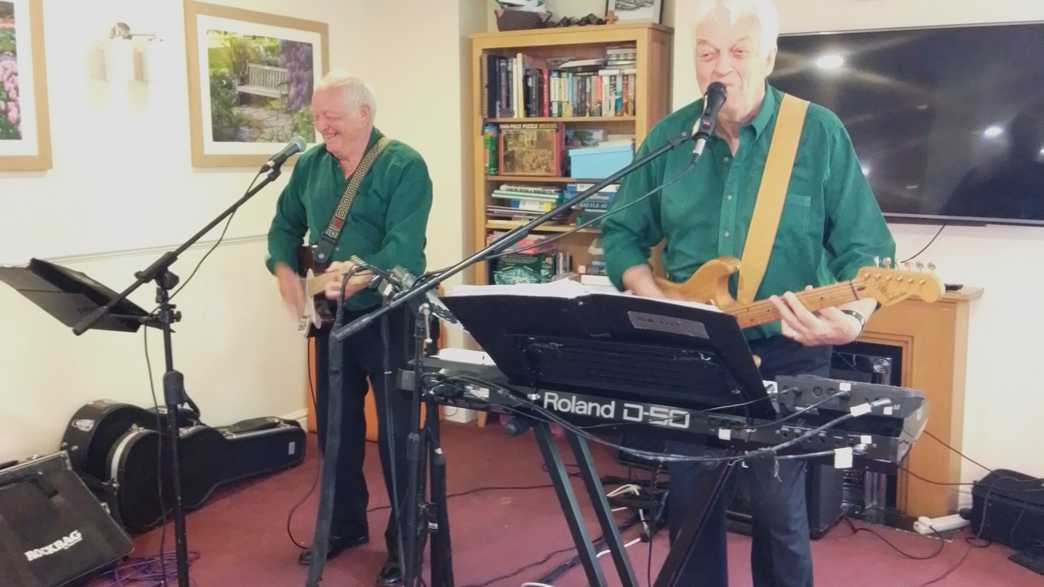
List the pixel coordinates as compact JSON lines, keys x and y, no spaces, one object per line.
{"x":781,"y":555}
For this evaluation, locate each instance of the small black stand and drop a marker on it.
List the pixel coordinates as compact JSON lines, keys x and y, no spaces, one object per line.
{"x":82,"y":303}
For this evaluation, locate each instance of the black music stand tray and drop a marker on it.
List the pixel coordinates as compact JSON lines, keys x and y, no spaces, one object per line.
{"x":562,"y":336}
{"x":70,"y":295}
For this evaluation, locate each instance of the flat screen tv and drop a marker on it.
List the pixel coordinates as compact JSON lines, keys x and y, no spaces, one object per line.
{"x":948,"y":122}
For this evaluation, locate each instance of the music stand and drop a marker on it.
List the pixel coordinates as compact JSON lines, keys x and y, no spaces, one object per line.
{"x":564,"y":336}
{"x":71,"y":295}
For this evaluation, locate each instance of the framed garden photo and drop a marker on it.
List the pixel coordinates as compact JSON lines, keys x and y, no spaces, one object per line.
{"x":25,"y":142}
{"x":630,"y":11}
{"x":251,"y":77}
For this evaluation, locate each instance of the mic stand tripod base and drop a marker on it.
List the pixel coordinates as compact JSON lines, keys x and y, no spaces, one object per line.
{"x":425,"y":456}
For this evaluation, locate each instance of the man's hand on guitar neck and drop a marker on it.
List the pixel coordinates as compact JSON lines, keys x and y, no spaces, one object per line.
{"x":358,"y":281}
{"x":290,"y":289}
{"x":829,"y":326}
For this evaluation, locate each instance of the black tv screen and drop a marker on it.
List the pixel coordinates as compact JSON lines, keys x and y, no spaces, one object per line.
{"x":948,"y":122}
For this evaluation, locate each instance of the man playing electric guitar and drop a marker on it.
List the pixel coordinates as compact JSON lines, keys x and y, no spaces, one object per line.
{"x":780,"y":187}
{"x":357,"y":195}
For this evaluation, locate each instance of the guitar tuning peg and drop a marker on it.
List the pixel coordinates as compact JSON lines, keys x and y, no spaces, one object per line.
{"x":877,"y":261}
{"x":887,"y":263}
{"x":920,"y":266}
{"x":906,"y":266}
{"x":931,"y":266}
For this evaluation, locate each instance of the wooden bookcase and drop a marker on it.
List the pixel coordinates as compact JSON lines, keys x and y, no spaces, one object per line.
{"x":652,"y":45}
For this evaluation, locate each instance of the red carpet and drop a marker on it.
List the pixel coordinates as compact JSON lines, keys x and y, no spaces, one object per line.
{"x":241,"y":533}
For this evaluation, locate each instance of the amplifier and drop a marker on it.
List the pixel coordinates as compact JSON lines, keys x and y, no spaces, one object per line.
{"x":52,"y":529}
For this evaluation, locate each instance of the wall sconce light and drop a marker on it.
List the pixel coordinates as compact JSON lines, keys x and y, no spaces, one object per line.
{"x":126,"y":56}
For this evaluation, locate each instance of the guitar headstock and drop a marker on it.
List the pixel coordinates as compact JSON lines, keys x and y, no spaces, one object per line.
{"x":889,"y":285}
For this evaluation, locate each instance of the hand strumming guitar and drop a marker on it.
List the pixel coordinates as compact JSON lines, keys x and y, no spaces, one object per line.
{"x":290,"y":289}
{"x":358,"y":281}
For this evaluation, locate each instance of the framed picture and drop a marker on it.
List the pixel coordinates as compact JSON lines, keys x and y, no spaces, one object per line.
{"x":251,"y":77}
{"x":629,"y":11}
{"x":25,"y":142}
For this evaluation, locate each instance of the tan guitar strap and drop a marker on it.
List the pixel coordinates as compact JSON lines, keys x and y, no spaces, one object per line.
{"x":328,"y":239}
{"x":771,"y":194}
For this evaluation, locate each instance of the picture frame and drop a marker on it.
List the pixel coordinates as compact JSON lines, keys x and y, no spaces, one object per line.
{"x":25,"y":135}
{"x":634,"y":11}
{"x":250,"y":81}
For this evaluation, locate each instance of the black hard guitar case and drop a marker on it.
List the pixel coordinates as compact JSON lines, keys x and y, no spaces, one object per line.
{"x":208,"y":457}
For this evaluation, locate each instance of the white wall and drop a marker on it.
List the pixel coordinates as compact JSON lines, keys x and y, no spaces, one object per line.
{"x":121,"y":153}
{"x":1003,"y":402}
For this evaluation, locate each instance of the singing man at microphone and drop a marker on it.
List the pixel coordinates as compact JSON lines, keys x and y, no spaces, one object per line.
{"x":827,"y":225}
{"x":383,"y":223}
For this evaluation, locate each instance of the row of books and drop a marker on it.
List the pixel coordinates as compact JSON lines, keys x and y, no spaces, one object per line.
{"x":524,"y":86}
{"x":538,"y":148}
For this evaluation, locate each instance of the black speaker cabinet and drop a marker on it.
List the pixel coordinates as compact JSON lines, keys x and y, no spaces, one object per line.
{"x":53,"y":531}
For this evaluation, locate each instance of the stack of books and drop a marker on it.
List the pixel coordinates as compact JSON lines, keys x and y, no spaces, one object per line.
{"x":522,"y":201}
{"x":594,"y":206}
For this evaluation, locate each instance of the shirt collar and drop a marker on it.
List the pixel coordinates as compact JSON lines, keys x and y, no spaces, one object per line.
{"x":769,"y":106}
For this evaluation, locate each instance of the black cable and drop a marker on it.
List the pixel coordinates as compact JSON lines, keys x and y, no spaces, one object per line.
{"x":477,"y":490}
{"x":950,"y":570}
{"x":521,"y":570}
{"x":962,"y":455}
{"x":318,"y":470}
{"x":599,"y":218}
{"x":917,"y":557}
{"x":925,"y":247}
{"x":216,"y":243}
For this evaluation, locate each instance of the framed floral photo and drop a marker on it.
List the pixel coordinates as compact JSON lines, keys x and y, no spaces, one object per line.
{"x":631,"y":11}
{"x":251,"y":77}
{"x":25,"y":142}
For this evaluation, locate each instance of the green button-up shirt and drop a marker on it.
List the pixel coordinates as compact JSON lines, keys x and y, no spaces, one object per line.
{"x":831,"y":224}
{"x":387,"y":222}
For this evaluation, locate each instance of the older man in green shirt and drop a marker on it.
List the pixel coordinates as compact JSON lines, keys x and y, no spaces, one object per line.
{"x":385,"y":227}
{"x":830,"y":226}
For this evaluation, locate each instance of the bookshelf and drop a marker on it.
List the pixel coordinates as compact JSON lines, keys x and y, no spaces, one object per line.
{"x":647,"y":84}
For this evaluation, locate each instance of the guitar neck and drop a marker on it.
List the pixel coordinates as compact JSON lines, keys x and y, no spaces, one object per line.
{"x":315,"y":285}
{"x":763,"y":312}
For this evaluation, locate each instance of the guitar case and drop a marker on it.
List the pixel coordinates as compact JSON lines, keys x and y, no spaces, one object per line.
{"x":208,"y":458}
{"x":114,"y":448}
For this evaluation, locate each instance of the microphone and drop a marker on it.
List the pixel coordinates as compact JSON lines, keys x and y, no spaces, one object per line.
{"x":296,"y":145}
{"x":407,"y":280}
{"x":704,"y":129}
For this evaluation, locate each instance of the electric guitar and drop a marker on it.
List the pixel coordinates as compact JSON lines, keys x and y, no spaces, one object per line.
{"x":886,"y":284}
{"x":319,"y":311}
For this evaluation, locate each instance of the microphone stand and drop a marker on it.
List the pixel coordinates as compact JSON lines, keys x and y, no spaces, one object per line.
{"x":423,"y":445}
{"x":173,"y":381}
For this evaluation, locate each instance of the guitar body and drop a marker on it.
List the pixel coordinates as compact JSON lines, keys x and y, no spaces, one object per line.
{"x":319,"y":312}
{"x":709,"y":285}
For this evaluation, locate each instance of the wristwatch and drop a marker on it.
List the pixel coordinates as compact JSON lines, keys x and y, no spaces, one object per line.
{"x":859,"y":317}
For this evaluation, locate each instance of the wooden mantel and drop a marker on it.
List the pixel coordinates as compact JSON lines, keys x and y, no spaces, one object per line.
{"x":934,"y":343}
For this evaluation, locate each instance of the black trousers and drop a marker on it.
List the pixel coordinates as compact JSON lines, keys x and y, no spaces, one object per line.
{"x":781,"y":554}
{"x":361,"y":359}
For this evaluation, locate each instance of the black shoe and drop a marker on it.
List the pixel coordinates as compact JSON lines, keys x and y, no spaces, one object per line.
{"x":390,"y":574}
{"x":337,"y":546}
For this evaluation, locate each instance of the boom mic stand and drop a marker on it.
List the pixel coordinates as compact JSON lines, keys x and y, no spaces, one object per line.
{"x":423,"y":517}
{"x":173,"y":381}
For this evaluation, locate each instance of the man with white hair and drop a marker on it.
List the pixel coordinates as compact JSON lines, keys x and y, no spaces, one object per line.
{"x":383,"y":223}
{"x":827,"y":226}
